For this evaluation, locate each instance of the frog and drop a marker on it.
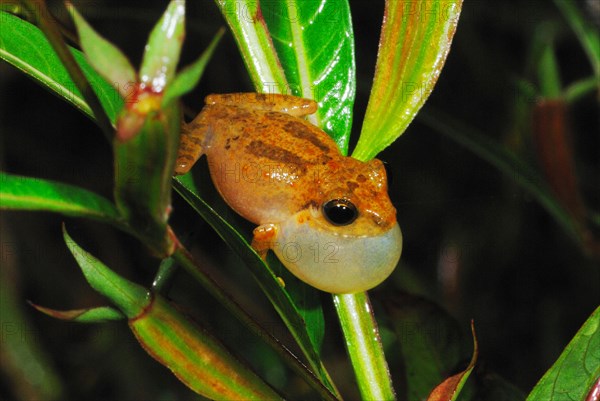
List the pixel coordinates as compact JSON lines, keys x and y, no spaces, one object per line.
{"x":327,"y":217}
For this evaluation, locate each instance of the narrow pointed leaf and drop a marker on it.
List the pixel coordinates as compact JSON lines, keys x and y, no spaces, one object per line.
{"x":25,"y":47}
{"x":573,"y":375}
{"x":105,"y":57}
{"x":130,"y":298}
{"x":415,"y":41}
{"x":449,"y":389}
{"x":254,"y":42}
{"x":315,"y":44}
{"x":198,"y":359}
{"x":552,"y":145}
{"x":36,"y":194}
{"x":163,"y":48}
{"x":99,"y":314}
{"x":269,"y":283}
{"x":188,"y":78}
{"x":364,"y":346}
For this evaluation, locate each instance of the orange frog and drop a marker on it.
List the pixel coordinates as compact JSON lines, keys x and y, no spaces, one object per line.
{"x":327,"y":217}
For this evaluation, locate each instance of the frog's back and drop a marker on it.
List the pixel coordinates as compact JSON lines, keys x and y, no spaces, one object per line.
{"x":266,"y":164}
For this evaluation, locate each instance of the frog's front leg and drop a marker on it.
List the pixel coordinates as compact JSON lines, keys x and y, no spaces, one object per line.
{"x":292,"y":105}
{"x":264,"y":238}
{"x":191,"y":142}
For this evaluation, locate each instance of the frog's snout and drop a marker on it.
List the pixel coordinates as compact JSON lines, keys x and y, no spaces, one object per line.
{"x":338,"y":263}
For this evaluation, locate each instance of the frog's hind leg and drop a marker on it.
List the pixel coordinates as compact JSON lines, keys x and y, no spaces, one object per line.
{"x":292,"y":105}
{"x":191,"y":142}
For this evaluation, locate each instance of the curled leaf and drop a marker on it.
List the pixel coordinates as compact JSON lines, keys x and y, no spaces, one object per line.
{"x":87,"y":315}
{"x":450,"y":388}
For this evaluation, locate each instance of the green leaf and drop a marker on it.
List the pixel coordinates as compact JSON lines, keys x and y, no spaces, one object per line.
{"x":505,"y":161}
{"x":163,"y":48}
{"x":573,"y":375}
{"x":198,"y":359}
{"x":24,"y":46}
{"x":450,"y":389}
{"x":430,"y":342}
{"x":254,"y":42}
{"x":99,"y":314}
{"x":143,"y":168}
{"x":588,"y":35}
{"x":106,"y":58}
{"x":315,"y":44}
{"x":27,"y":193}
{"x":364,"y":346}
{"x":130,"y":298}
{"x":188,"y":78}
{"x":264,"y":276}
{"x":415,"y":41}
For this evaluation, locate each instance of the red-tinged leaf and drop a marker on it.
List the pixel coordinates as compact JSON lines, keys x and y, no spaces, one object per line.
{"x":198,"y":359}
{"x":415,"y":41}
{"x":555,"y":154}
{"x":450,"y":388}
{"x":87,"y":315}
{"x":594,"y":394}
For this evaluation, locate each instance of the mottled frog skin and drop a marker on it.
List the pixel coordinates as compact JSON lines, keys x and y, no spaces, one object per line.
{"x":327,"y":217}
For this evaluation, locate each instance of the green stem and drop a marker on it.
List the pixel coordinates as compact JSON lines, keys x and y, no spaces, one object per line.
{"x":185,"y":259}
{"x":50,"y":28}
{"x":364,"y":346}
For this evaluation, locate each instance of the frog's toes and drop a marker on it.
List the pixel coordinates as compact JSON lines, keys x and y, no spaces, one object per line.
{"x":263,"y":239}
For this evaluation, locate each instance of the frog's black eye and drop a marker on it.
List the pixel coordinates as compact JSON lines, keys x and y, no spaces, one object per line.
{"x":340,"y":212}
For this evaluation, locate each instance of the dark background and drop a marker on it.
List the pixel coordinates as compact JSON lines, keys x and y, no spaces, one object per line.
{"x":524,"y":281}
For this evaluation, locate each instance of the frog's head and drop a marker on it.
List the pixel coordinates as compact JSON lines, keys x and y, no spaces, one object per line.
{"x":348,"y":239}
